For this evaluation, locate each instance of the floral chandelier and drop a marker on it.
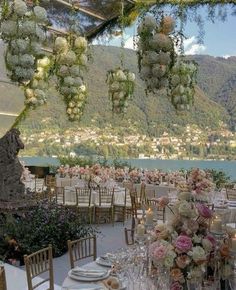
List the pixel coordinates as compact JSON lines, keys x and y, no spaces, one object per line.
{"x":155,"y":51}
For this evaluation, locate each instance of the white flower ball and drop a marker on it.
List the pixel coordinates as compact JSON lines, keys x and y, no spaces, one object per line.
{"x":82,"y":88}
{"x":83,"y":59}
{"x":120,"y":75}
{"x":151,"y":57}
{"x":161,"y":41}
{"x":43,"y":62}
{"x":64,"y":71}
{"x":175,"y":80}
{"x":40,"y":14}
{"x":29,"y":93}
{"x":69,"y":111}
{"x":39,"y":73}
{"x":40,"y":34}
{"x":12,"y":60}
{"x":20,"y":45}
{"x":145,"y":72}
{"x":68,"y":58}
{"x":27,"y":60}
{"x":79,"y":105}
{"x":33,"y":101}
{"x":28,"y":28}
{"x":131,"y":76}
{"x":167,"y":24}
{"x":71,"y":105}
{"x":78,"y":82}
{"x":75,"y":70}
{"x":163,"y":58}
{"x":36,"y":47}
{"x":20,"y":7}
{"x":69,"y":81}
{"x":81,"y":43}
{"x":64,"y":90}
{"x":81,"y":96}
{"x":114,"y":86}
{"x":75,"y":110}
{"x":60,"y":45}
{"x":9,"y":28}
{"x":159,"y":70}
{"x":149,"y":22}
{"x":34,"y":84}
{"x":40,"y":94}
{"x":118,"y":96}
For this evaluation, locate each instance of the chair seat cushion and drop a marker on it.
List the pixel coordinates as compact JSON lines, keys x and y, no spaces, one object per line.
{"x":104,"y":205}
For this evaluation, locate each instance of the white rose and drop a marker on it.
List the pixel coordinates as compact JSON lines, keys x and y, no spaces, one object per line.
{"x":198,"y":254}
{"x":82,"y":88}
{"x":207,"y":245}
{"x":29,"y":93}
{"x":40,"y":73}
{"x":61,"y":44}
{"x":81,"y":42}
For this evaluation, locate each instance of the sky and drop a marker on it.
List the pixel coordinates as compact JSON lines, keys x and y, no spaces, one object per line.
{"x":219,"y":38}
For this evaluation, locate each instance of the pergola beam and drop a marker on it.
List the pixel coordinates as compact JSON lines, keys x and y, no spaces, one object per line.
{"x":185,"y":2}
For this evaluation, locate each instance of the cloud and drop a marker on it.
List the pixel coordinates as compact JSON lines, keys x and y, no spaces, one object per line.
{"x":192,"y":47}
{"x":226,"y":56}
{"x":129,"y":43}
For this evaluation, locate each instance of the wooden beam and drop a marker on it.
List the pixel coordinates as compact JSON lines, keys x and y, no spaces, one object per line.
{"x":84,"y":10}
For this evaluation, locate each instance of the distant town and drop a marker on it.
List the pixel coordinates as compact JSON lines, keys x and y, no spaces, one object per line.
{"x":194,"y":143}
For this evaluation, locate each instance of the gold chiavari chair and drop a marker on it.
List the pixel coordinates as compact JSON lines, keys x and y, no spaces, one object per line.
{"x":38,"y":263}
{"x":231,"y":194}
{"x":160,"y":211}
{"x":3,"y":283}
{"x":122,"y":208}
{"x":83,"y":196}
{"x":104,"y":206}
{"x":60,"y":194}
{"x":82,"y":249}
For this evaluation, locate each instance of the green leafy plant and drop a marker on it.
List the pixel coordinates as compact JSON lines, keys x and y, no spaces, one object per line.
{"x":220,"y":178}
{"x":48,"y":223}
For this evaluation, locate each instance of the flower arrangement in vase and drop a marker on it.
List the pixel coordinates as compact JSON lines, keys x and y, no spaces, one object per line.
{"x":120,"y":88}
{"x":155,"y":51}
{"x":70,"y":60}
{"x":23,"y":28}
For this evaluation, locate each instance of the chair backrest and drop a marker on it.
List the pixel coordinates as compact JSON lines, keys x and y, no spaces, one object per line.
{"x":39,"y":184}
{"x":129,"y":236}
{"x":142,"y":194}
{"x":231,"y":194}
{"x":81,"y":249}
{"x":65,"y":181}
{"x":38,"y":263}
{"x":106,"y":195}
{"x":3,"y":284}
{"x":159,"y":211}
{"x":83,"y":196}
{"x":60,"y":195}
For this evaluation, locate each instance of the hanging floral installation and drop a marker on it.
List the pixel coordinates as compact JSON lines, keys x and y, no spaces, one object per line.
{"x":155,"y":51}
{"x":182,"y":81}
{"x":23,"y":29}
{"x":121,"y":82}
{"x":70,"y":61}
{"x":121,"y":87}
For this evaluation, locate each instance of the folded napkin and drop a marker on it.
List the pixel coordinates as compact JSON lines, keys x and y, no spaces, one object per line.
{"x":88,"y":272}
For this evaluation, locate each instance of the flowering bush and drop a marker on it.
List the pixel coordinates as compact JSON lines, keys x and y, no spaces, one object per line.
{"x":155,"y":51}
{"x":121,"y":88}
{"x":71,"y":59}
{"x":45,"y":224}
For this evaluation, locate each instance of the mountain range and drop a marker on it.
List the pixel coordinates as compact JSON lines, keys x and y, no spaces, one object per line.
{"x":151,"y":114}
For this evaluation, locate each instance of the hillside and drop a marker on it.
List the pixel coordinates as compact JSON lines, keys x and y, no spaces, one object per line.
{"x":152,"y":114}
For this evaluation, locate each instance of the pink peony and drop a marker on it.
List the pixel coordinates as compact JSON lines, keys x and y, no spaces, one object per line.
{"x":211,"y":239}
{"x":203,"y":210}
{"x":183,"y":243}
{"x":176,"y":286}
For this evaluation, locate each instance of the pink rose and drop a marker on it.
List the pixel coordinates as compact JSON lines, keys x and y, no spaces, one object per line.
{"x":176,"y":286}
{"x":183,"y":243}
{"x":203,"y":210}
{"x":160,"y":252}
{"x":211,"y":239}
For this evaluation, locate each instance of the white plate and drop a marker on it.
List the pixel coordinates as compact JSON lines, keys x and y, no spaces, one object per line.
{"x":88,"y":279}
{"x":103,"y":262}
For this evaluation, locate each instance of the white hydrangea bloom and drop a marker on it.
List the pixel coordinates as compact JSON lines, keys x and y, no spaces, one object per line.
{"x":64,"y":71}
{"x":20,"y":45}
{"x":43,"y":62}
{"x":83,"y":59}
{"x":23,"y":74}
{"x":29,"y":93}
{"x":149,"y":22}
{"x":131,"y":76}
{"x":36,"y":48}
{"x":61,"y":45}
{"x":68,"y":58}
{"x":40,"y":14}
{"x":78,"y":81}
{"x":81,"y":43}
{"x":82,"y":88}
{"x":20,"y":7}
{"x":75,"y":70}
{"x":40,"y":94}
{"x":9,"y":28}
{"x":27,"y":60}
{"x":120,"y":75}
{"x":27,"y":28}
{"x":69,"y":81}
{"x":12,"y":60}
{"x":40,"y":33}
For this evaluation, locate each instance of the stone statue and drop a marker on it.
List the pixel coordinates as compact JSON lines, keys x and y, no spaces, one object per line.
{"x":11,"y":187}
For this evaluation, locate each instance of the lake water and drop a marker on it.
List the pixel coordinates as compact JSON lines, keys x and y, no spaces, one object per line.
{"x":229,"y":167}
